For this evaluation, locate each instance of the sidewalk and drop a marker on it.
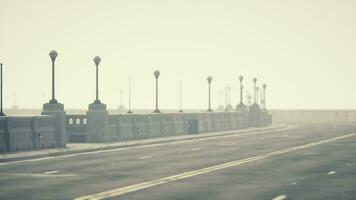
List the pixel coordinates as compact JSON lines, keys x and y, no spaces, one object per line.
{"x":88,"y":147}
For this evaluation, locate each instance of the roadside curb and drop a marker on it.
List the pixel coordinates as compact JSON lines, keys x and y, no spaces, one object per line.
{"x":202,"y":135}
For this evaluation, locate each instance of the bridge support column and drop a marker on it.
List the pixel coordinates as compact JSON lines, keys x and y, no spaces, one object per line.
{"x":97,"y":123}
{"x":57,"y":110}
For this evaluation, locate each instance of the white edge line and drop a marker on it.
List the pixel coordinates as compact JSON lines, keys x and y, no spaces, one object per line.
{"x":131,"y":188}
{"x":151,"y":145}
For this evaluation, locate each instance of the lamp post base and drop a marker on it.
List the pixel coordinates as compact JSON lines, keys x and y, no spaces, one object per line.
{"x":157,"y":111}
{"x":53,"y":101}
{"x":2,"y":114}
{"x":129,"y":112}
{"x":97,"y":123}
{"x":241,"y":107}
{"x":57,"y":110}
{"x":97,"y":101}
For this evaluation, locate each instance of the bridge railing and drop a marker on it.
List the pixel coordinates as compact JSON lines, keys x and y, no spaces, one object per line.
{"x":76,"y":127}
{"x":293,"y":115}
{"x":151,"y":125}
{"x":24,"y":133}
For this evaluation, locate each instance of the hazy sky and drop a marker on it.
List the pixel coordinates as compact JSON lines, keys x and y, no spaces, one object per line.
{"x":304,"y":50}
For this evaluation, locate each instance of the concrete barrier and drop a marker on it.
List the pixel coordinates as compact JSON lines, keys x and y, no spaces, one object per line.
{"x":325,"y":115}
{"x":167,"y":125}
{"x":179,"y":124}
{"x":3,"y":134}
{"x":43,"y":130}
{"x":207,"y":123}
{"x":126,"y":128}
{"x":25,"y":133}
{"x":22,"y":133}
{"x":76,"y":128}
{"x":218,"y":121}
{"x":155,"y":125}
{"x":139,"y":126}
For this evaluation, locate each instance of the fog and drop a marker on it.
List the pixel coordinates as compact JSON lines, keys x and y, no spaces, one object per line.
{"x":303,"y":50}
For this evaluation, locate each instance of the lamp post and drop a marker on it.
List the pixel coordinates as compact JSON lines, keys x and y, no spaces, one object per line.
{"x":221,"y":106}
{"x":53,"y":55}
{"x":209,"y":79}
{"x":129,"y":112}
{"x":254,"y":90}
{"x":180,"y":96}
{"x":264,"y":95}
{"x":97,"y":61}
{"x":1,"y":108}
{"x":225,"y":97}
{"x":257,"y":93}
{"x":228,"y":95}
{"x":121,"y":97}
{"x":249,"y":98}
{"x":156,"y":74}
{"x":241,"y":78}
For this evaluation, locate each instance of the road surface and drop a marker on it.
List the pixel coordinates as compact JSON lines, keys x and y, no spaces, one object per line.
{"x":311,"y":161}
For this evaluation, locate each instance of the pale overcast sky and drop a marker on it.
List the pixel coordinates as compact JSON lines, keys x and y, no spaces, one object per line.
{"x":304,"y":50}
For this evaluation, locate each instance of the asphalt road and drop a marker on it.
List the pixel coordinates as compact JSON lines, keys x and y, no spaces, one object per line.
{"x":313,"y":161}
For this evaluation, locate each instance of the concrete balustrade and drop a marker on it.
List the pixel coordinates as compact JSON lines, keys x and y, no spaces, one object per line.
{"x":155,"y":125}
{"x":180,"y":124}
{"x":76,"y":125}
{"x":54,"y":129}
{"x":295,"y":115}
{"x":44,"y":128}
{"x":25,"y":133}
{"x":109,"y":128}
{"x":3,"y":134}
{"x":125,"y":127}
{"x":141,"y":127}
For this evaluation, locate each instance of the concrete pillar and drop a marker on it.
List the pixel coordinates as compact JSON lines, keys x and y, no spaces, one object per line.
{"x":97,"y":123}
{"x":57,"y":110}
{"x":4,"y":134}
{"x":254,"y":115}
{"x":242,"y":109}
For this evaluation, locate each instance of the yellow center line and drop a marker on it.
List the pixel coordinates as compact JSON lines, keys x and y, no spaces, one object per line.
{"x":140,"y":186}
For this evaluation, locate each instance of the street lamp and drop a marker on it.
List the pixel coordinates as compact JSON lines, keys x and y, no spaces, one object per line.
{"x":1,"y":109}
{"x":228,"y":95}
{"x":53,"y":55}
{"x":129,"y":112}
{"x":209,"y":79}
{"x":254,"y":90}
{"x":241,"y":78}
{"x":249,"y":98}
{"x":156,"y":74}
{"x":180,"y":96}
{"x":225,"y":97}
{"x":97,"y":61}
{"x":264,"y":95}
{"x":257,"y":93}
{"x":121,"y":97}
